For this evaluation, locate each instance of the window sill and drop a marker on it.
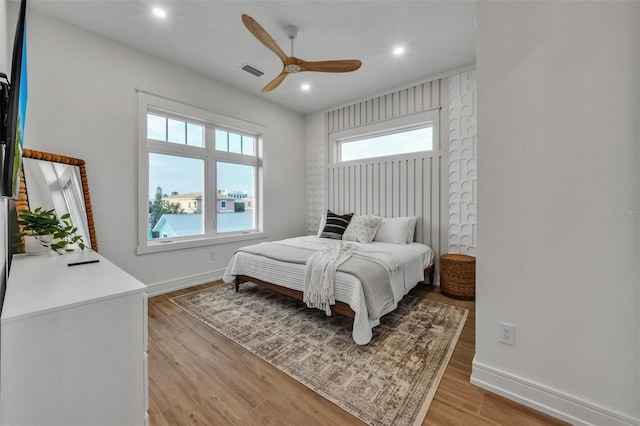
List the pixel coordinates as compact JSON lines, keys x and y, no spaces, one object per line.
{"x":157,"y":247}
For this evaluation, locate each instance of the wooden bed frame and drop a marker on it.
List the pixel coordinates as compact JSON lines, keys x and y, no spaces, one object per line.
{"x":340,"y":307}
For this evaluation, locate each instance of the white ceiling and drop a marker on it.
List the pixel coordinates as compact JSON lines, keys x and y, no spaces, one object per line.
{"x":209,"y":37}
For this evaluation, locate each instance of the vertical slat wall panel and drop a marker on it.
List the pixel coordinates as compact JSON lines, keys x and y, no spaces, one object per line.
{"x":435,"y":92}
{"x":406,"y":187}
{"x":397,"y":104}
{"x":414,"y":99}
{"x":419,"y":195}
{"x":426,"y":95}
{"x":411,"y":188}
{"x":419,"y":98}
{"x":411,"y":100}
{"x":354,"y":195}
{"x":388,"y":189}
{"x":376,"y":189}
{"x":367,"y":183}
{"x":391,"y":188}
{"x":402,"y":188}
{"x":404,"y":105}
{"x":375,"y":110}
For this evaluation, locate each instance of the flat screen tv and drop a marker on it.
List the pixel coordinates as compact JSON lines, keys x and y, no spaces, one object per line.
{"x":16,"y":111}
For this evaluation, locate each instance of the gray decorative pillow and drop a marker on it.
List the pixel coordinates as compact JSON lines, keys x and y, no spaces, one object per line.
{"x":335,"y":225}
{"x":362,"y":228}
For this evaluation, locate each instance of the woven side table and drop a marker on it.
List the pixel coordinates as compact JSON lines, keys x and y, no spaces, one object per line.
{"x":458,"y":276}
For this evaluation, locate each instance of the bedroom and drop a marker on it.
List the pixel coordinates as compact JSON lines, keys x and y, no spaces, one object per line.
{"x":530,"y":213}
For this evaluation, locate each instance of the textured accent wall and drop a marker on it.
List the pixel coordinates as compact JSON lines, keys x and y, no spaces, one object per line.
{"x":463,"y":163}
{"x":392,"y":187}
{"x":315,"y":148}
{"x":430,"y":202}
{"x":418,"y":98}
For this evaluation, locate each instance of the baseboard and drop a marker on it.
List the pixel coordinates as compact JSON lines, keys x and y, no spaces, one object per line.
{"x":178,"y":284}
{"x":546,"y":400}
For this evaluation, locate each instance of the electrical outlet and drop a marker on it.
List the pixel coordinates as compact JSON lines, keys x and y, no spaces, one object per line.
{"x":506,"y":333}
{"x":212,"y":255}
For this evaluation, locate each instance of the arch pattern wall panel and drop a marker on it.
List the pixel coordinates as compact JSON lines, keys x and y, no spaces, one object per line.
{"x":315,"y":147}
{"x":463,"y":163}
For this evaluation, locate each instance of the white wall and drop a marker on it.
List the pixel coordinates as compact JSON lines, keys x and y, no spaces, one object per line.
{"x":83,"y":103}
{"x":557,"y":206}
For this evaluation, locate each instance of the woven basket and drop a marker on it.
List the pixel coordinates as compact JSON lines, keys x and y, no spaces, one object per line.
{"x":458,"y":276}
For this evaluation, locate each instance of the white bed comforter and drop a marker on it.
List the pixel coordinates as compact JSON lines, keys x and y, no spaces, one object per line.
{"x":413,"y":259}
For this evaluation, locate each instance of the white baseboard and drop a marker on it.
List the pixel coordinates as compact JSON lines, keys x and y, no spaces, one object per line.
{"x":554,"y":403}
{"x":178,"y":284}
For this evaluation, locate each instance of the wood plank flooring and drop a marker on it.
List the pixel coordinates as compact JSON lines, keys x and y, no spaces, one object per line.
{"x":199,"y":377}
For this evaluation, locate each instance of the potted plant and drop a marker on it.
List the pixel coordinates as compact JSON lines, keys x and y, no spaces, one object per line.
{"x":49,"y":231}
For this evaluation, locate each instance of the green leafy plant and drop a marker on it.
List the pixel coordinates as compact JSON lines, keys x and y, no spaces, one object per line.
{"x":41,"y":223}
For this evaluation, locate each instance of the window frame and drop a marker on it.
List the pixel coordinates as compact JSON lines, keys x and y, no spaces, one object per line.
{"x":153,"y":104}
{"x":429,"y":118}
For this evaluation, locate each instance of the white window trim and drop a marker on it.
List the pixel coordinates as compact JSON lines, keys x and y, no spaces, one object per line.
{"x":393,"y":125}
{"x":149,"y":102}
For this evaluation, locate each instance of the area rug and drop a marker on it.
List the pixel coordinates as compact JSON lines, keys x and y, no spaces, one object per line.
{"x":390,"y":381}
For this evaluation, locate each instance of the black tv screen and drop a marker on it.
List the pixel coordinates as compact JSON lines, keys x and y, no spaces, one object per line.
{"x":16,"y":110}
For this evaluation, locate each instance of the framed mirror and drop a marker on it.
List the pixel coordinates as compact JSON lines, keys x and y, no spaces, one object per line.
{"x":57,"y":182}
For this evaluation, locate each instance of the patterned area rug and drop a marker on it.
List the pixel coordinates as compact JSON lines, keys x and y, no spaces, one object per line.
{"x":390,"y":381}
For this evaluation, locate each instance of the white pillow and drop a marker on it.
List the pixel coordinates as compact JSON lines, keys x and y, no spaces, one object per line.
{"x":362,"y":228}
{"x":412,"y":228}
{"x":395,"y":230}
{"x":323,"y":222}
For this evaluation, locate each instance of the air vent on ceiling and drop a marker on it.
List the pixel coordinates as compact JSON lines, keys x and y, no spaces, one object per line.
{"x":252,"y":70}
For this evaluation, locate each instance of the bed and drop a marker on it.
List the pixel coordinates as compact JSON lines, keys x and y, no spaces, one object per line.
{"x":281,"y":266}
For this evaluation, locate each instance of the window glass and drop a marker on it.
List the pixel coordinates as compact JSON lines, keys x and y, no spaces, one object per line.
{"x":403,"y":142}
{"x":247,"y":145}
{"x":176,"y":131}
{"x":156,"y":127}
{"x":176,"y":196}
{"x":195,"y":135}
{"x":236,"y":193}
{"x":235,"y":143}
{"x":222,"y":140}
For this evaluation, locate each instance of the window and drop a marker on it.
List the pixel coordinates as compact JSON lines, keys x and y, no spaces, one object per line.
{"x":197,"y":168}
{"x":241,"y":178}
{"x":406,"y":135}
{"x":398,"y":142}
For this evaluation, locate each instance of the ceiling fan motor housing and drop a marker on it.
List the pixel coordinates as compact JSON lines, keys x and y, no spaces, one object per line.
{"x":292,"y":68}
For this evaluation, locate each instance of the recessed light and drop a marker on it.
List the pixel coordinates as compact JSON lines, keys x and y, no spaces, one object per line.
{"x":398,"y":50}
{"x":305,"y":87}
{"x":160,"y":13}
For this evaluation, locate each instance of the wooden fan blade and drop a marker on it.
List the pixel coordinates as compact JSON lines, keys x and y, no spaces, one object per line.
{"x":275,"y":82}
{"x":346,"y":65}
{"x":264,"y":37}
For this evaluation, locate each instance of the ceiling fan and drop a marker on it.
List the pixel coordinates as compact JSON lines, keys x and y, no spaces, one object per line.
{"x":291,"y":64}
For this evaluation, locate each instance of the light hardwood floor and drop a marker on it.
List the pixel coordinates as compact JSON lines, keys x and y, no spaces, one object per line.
{"x":199,"y":377}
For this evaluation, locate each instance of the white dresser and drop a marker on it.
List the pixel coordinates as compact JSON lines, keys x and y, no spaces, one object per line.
{"x":73,"y":342}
